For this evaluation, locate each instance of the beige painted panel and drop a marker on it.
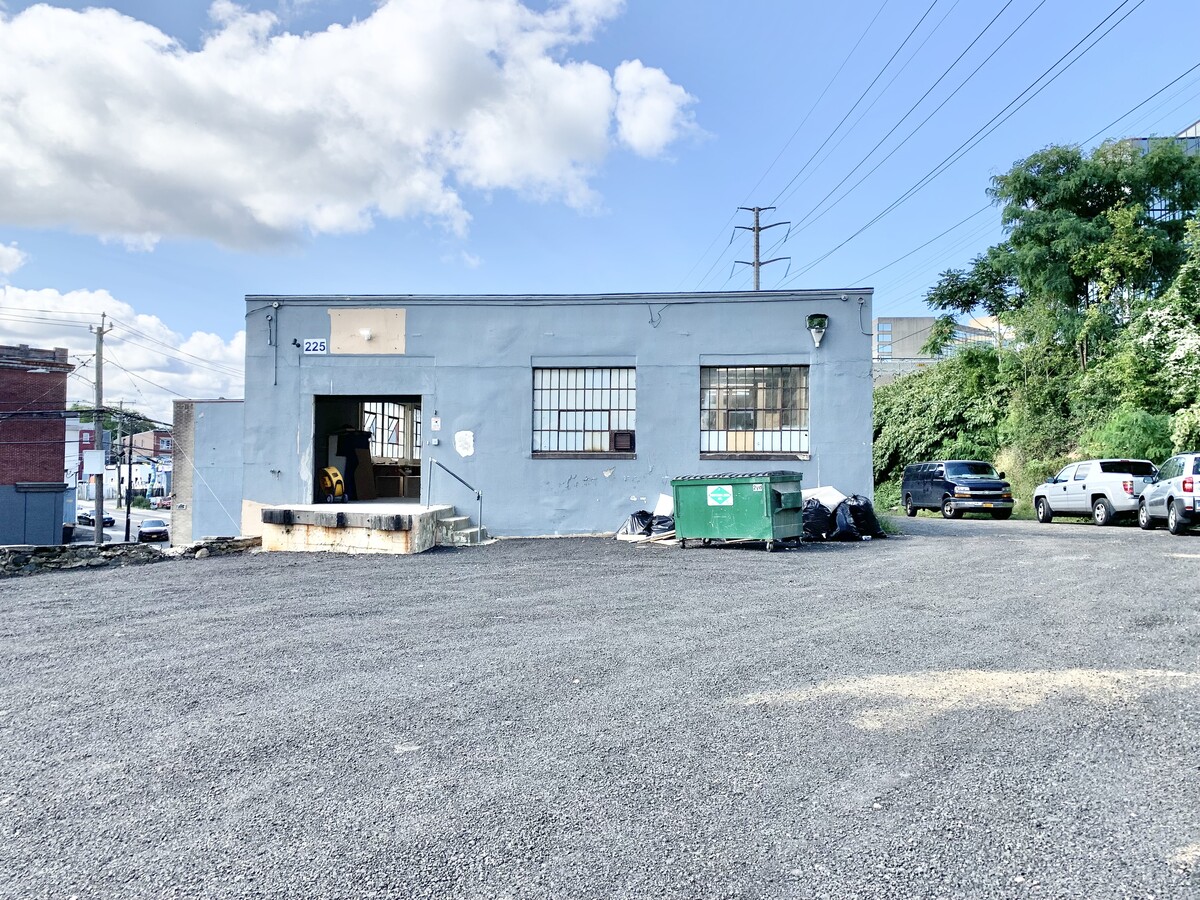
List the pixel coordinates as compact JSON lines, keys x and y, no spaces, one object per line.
{"x":740,"y":442}
{"x":369,"y":330}
{"x":252,"y":524}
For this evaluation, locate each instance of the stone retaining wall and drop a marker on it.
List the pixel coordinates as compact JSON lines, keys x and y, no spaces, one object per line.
{"x":29,"y":560}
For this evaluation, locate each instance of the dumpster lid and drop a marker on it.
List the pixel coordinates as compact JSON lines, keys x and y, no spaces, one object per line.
{"x":735,"y":475}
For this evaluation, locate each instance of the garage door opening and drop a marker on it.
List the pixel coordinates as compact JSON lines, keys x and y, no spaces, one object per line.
{"x":373,"y":441}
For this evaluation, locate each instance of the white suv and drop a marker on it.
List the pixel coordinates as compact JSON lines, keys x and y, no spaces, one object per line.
{"x":1105,"y":489}
{"x":1172,"y":495}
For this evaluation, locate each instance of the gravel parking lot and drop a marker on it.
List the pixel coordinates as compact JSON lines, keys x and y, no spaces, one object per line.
{"x":972,"y":709}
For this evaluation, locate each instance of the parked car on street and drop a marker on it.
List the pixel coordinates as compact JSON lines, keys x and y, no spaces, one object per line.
{"x":956,"y":486}
{"x":1171,"y":496}
{"x":89,"y":518}
{"x":1105,"y":489}
{"x":153,"y":531}
{"x":160,"y":502}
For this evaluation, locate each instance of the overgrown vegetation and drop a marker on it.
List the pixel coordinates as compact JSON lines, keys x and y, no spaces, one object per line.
{"x":1098,"y":287}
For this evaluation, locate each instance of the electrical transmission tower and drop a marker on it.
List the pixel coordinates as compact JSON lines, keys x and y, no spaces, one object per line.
{"x":758,"y":230}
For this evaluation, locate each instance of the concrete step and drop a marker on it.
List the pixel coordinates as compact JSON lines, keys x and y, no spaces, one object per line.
{"x":459,"y":531}
{"x":464,"y":537}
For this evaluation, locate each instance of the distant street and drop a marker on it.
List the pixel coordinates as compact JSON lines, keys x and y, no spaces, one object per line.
{"x":116,"y":532}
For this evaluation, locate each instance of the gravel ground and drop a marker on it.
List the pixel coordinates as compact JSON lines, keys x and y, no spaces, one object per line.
{"x":971,"y":709}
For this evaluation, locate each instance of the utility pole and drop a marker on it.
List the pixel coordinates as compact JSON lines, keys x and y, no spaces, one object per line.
{"x":128,"y":477}
{"x":758,"y":229}
{"x":98,"y":420}
{"x":120,"y":429}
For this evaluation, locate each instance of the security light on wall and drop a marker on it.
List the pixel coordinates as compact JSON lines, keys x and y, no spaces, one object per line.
{"x":817,"y":324}
{"x":365,"y":333}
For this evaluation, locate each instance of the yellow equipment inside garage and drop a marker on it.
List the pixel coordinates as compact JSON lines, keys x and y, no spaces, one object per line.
{"x":333,"y":486}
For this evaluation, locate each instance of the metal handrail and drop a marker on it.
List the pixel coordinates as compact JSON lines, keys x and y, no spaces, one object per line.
{"x":478,"y":493}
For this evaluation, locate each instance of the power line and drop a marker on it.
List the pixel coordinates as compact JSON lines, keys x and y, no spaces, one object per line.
{"x":1143,"y":103}
{"x":810,"y":220}
{"x":837,"y":127}
{"x":880,"y":96}
{"x":921,"y":100}
{"x":983,"y":131}
{"x":41,"y":320}
{"x":149,"y":382}
{"x":168,"y":347}
{"x":191,"y":359}
{"x":779,"y":155}
{"x":960,"y":223}
{"x":905,"y":256}
{"x":861,"y":97}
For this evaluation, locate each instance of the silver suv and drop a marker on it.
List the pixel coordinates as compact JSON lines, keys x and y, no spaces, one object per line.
{"x":1171,"y":495}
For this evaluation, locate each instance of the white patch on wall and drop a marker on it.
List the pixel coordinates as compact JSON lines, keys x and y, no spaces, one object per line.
{"x":464,"y":443}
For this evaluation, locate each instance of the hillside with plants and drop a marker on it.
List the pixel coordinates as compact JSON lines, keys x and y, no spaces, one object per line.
{"x":1098,"y":286}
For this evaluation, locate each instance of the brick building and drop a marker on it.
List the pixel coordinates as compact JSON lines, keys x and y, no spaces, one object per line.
{"x":33,"y":399}
{"x":147,"y":445}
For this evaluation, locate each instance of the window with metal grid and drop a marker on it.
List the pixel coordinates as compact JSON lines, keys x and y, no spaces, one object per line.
{"x":584,"y":410}
{"x":757,"y":410}
{"x":385,"y":421}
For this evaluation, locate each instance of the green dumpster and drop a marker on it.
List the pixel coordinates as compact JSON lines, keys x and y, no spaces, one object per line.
{"x":764,"y":506}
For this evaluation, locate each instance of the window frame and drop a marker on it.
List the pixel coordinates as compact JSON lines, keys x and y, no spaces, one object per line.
{"x":563,"y":393}
{"x":758,"y":383}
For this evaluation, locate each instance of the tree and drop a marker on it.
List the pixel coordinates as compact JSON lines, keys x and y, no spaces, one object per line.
{"x":948,"y":410}
{"x":1156,"y":363}
{"x":985,"y":286}
{"x":132,"y":421}
{"x":1098,"y":232}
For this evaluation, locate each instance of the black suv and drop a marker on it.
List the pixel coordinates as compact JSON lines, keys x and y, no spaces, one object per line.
{"x":956,"y":486}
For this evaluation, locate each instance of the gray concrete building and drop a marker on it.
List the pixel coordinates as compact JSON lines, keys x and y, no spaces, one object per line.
{"x":898,"y":340}
{"x":566,"y":412}
{"x":207,"y":438}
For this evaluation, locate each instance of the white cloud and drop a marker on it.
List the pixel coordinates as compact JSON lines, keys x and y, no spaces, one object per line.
{"x":111,"y":127}
{"x":11,"y":259}
{"x":147,"y":364}
{"x":651,"y":111}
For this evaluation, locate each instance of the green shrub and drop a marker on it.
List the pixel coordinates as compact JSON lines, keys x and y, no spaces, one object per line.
{"x":887,"y":496}
{"x":1185,"y":431}
{"x":1129,"y":432}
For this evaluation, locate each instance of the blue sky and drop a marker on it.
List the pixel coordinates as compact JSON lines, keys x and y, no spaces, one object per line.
{"x":158,"y":161}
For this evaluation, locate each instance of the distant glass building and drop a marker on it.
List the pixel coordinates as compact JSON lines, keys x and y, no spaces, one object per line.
{"x":897,"y":341}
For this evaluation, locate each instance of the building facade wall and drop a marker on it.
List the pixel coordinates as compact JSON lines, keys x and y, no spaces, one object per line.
{"x":470,"y":360}
{"x":207,"y":483}
{"x":32,"y":448}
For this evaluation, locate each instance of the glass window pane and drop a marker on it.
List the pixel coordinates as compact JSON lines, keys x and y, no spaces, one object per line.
{"x":760,"y":409}
{"x":575,"y":409}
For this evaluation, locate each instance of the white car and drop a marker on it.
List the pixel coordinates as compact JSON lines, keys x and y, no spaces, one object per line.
{"x":1104,"y":489}
{"x":1172,"y":494}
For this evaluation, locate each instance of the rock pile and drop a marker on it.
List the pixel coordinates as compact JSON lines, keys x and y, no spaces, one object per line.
{"x":29,"y":560}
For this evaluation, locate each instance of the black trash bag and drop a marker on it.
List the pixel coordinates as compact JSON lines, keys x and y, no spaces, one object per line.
{"x":639,"y":522}
{"x":660,"y":525}
{"x":818,"y":520}
{"x":863,"y":514}
{"x":844,"y":528}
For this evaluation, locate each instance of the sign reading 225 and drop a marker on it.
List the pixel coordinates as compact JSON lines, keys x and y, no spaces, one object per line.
{"x":315,"y":345}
